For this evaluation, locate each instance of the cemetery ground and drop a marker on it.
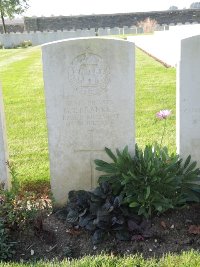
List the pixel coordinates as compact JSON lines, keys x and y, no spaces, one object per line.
{"x":49,"y":237}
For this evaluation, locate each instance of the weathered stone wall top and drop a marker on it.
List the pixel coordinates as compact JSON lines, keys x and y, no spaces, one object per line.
{"x":110,"y":20}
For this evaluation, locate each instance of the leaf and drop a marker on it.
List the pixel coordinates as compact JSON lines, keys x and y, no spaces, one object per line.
{"x":153,"y":171}
{"x":84,"y":221}
{"x":125,"y":151}
{"x":194,"y":229}
{"x":147,"y":192}
{"x":102,"y":213}
{"x":191,"y":167}
{"x":117,"y":201}
{"x":93,"y":208}
{"x":158,"y":206}
{"x":82,"y":197}
{"x":192,"y":196}
{"x":133,"y":204}
{"x":104,"y":166}
{"x":95,"y":199}
{"x":72,"y":216}
{"x":105,"y":187}
{"x":118,"y":227}
{"x":104,"y":225}
{"x":90,"y":226}
{"x":72,"y":196}
{"x":83,"y":213}
{"x":142,"y":211}
{"x":105,"y":178}
{"x":125,"y":180}
{"x":187,"y":161}
{"x":119,"y":220}
{"x":98,"y":192}
{"x":110,"y":154}
{"x":118,"y":153}
{"x":108,"y":206}
{"x":197,"y":182}
{"x":171,"y":180}
{"x":98,"y":236}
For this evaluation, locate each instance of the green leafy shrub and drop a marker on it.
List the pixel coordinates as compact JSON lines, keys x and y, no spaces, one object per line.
{"x":114,"y":171}
{"x":25,"y":44}
{"x":103,"y":214}
{"x":152,"y":180}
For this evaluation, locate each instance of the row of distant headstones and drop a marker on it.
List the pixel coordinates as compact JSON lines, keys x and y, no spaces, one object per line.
{"x":10,"y":40}
{"x":91,"y":64}
{"x":37,"y":38}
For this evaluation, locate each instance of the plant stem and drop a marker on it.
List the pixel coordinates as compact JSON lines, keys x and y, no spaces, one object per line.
{"x":163,"y":132}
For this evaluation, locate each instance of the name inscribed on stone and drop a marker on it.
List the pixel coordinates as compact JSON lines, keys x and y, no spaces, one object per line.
{"x":89,"y":113}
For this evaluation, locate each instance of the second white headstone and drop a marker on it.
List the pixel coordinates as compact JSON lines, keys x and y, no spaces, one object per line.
{"x":188,"y":99}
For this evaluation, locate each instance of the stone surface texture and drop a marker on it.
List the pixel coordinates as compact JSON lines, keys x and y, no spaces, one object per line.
{"x":188,"y":99}
{"x":89,"y":89}
{"x":4,"y":174}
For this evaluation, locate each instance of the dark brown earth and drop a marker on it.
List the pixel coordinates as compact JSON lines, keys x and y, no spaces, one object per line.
{"x":174,"y":231}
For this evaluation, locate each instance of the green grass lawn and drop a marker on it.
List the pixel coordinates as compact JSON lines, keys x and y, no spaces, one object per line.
{"x":155,"y":90}
{"x":186,"y":259}
{"x":23,"y":90}
{"x":21,"y":76}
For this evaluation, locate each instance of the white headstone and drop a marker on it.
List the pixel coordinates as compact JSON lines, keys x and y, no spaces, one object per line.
{"x":114,"y":31}
{"x":188,"y":99}
{"x":4,"y":174}
{"x":89,"y":88}
{"x":102,"y":32}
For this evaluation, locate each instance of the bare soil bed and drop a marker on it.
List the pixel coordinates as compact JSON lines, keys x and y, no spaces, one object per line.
{"x":49,"y":238}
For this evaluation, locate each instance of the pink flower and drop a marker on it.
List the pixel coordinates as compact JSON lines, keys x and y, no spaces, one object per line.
{"x":163,"y":114}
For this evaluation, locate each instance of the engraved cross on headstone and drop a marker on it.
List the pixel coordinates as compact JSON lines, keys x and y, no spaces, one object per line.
{"x":91,"y":149}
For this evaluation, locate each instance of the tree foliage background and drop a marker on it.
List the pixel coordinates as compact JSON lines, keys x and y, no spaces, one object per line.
{"x":8,"y":8}
{"x":173,"y":8}
{"x":195,"y":5}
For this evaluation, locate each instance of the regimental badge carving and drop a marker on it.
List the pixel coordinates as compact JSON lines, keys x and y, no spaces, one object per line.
{"x":89,"y":74}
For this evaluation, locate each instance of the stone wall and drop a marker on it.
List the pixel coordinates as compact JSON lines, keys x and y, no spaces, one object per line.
{"x":110,"y":20}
